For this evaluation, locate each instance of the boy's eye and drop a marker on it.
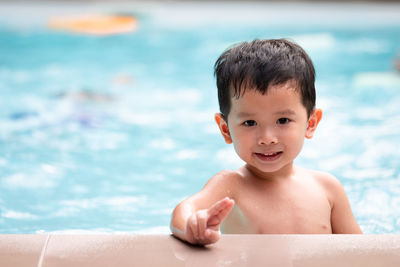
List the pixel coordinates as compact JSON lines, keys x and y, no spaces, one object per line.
{"x":283,"y":121}
{"x":249,"y":123}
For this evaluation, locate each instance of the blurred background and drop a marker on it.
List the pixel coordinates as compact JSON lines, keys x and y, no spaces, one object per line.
{"x":106,"y":107}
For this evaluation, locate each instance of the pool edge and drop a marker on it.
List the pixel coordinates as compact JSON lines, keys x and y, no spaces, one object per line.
{"x":231,"y":250}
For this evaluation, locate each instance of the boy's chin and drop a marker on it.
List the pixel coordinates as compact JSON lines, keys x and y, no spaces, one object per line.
{"x":267,"y":168}
{"x":260,"y":170}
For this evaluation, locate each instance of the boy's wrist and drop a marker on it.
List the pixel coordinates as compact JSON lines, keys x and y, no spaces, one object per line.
{"x":181,"y":234}
{"x":175,"y":230}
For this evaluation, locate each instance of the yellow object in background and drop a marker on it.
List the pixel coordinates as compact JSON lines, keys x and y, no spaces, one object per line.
{"x":95,"y":24}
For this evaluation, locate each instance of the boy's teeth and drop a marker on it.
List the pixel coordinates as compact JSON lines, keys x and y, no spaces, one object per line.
{"x":269,"y":154}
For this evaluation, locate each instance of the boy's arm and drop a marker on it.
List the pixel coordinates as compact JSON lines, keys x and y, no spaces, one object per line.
{"x":197,"y":218}
{"x":342,"y":218}
{"x":202,"y":226}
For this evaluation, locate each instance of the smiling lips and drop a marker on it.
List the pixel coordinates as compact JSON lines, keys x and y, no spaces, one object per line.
{"x":269,"y":156}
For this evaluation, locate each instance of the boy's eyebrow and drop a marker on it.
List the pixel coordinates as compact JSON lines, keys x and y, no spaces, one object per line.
{"x":285,"y":112}
{"x":245,"y":114}
{"x":281,"y":112}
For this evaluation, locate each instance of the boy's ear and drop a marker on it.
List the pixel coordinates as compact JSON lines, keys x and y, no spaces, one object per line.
{"x":223,"y":127}
{"x":313,"y":121}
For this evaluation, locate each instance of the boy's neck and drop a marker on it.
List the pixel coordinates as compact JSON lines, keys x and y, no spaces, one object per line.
{"x":281,"y":175}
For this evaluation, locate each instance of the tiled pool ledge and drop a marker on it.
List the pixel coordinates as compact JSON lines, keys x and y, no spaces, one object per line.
{"x":232,"y":250}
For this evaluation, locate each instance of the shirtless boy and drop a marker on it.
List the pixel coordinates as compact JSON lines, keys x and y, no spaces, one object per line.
{"x":267,"y":107}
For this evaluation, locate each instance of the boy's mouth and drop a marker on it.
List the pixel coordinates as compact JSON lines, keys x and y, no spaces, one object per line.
{"x":269,"y":156}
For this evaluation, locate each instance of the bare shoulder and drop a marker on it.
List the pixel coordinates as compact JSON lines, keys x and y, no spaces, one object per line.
{"x":342,"y":218}
{"x":225,"y":178}
{"x":325,"y":179}
{"x":221,"y":185}
{"x":228,"y":174}
{"x":331,"y":185}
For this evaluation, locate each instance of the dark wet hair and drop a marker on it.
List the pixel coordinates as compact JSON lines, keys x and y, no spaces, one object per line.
{"x":260,"y":64}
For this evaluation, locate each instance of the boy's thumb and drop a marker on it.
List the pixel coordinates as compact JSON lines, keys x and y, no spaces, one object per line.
{"x":212,"y":235}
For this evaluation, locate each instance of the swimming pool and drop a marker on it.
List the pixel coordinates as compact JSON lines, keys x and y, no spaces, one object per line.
{"x":110,"y":133}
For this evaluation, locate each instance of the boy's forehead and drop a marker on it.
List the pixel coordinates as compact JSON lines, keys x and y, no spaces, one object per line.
{"x":237,"y":92}
{"x":289,"y":89}
{"x":282,"y":98}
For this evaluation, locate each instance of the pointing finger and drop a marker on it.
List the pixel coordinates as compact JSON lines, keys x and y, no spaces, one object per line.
{"x":219,"y":206}
{"x":220,"y":211}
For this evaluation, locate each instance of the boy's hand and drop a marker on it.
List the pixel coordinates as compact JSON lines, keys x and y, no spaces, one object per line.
{"x":203,"y":226}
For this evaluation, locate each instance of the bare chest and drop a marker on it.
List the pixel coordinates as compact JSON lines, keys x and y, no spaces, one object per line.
{"x":293,"y":212}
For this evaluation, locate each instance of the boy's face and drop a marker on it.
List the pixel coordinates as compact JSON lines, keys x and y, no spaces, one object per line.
{"x":268,"y":130}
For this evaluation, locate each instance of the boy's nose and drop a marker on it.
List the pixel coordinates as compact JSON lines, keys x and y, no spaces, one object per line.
{"x":267,"y":138}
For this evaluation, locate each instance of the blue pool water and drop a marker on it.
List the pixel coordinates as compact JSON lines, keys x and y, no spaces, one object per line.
{"x":110,"y":133}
